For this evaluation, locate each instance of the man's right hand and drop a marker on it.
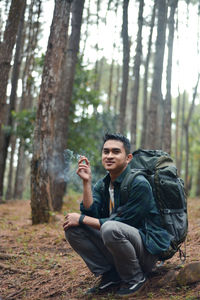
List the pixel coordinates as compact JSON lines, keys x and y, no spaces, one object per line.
{"x":84,"y":170}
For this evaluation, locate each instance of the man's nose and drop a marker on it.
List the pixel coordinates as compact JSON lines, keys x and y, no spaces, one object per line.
{"x":110,"y":154}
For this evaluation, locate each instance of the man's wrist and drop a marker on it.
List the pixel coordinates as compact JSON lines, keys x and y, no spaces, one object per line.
{"x":81,"y":219}
{"x":87,"y":182}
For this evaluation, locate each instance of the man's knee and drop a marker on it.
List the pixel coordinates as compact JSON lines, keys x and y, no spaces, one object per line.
{"x":110,"y":232}
{"x":72,"y":233}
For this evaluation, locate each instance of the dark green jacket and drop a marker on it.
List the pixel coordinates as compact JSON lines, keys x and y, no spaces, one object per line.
{"x":139,"y":211}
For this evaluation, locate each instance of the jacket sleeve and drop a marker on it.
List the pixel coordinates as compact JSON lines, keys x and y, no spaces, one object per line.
{"x":95,"y":210}
{"x":139,"y":204}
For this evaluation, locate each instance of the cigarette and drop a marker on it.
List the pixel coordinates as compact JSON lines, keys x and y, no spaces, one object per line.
{"x":84,"y":161}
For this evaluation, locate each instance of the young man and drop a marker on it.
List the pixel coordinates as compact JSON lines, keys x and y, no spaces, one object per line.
{"x":119,"y":241}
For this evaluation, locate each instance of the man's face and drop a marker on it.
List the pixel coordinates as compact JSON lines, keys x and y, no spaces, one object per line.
{"x":114,"y":157}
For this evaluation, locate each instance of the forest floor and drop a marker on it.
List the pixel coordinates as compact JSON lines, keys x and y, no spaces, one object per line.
{"x":37,"y":263}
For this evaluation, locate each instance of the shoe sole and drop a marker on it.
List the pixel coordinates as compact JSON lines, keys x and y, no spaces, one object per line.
{"x":109,"y":284}
{"x":140,"y":287}
{"x":106,"y":288}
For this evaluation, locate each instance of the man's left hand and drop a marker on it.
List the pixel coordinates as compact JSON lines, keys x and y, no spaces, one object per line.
{"x":71,"y":219}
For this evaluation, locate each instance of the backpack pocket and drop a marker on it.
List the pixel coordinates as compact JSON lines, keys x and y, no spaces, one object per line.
{"x":175,"y":222}
{"x":171,"y":202}
{"x":169,"y":190}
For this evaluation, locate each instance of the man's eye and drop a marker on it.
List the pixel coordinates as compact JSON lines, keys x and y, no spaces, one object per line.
{"x":116,"y":151}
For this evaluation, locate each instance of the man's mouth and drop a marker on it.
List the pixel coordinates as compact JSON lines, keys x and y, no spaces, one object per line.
{"x":109,"y":163}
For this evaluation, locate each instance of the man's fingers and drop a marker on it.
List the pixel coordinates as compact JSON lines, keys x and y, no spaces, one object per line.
{"x":83,"y":166}
{"x":65,"y":227}
{"x":84,"y":159}
{"x":65,"y":223}
{"x":67,"y":216}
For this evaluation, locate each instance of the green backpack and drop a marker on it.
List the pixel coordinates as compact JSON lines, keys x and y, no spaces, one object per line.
{"x":168,"y":190}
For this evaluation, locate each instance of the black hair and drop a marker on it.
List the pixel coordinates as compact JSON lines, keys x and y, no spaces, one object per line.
{"x":118,"y":137}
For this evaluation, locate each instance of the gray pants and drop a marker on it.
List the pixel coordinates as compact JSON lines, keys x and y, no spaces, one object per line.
{"x":116,"y":246}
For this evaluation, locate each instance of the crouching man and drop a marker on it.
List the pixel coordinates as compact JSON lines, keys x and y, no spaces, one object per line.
{"x":118,"y":241}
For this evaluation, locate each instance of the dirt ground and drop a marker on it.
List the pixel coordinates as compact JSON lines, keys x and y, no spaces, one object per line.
{"x":37,"y":263}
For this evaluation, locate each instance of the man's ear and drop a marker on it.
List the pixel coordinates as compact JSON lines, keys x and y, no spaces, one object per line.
{"x":129,"y":157}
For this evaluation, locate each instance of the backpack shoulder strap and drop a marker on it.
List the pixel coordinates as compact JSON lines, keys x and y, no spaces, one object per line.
{"x":126,"y":183}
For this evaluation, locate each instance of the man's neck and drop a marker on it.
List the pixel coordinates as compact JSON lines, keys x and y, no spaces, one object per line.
{"x":114,"y":175}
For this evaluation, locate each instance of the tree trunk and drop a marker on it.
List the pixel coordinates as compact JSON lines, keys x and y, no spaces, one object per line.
{"x":187,"y":123}
{"x":41,"y":197}
{"x":32,"y":35}
{"x":182,"y":132}
{"x":27,"y":87}
{"x":6,"y":49}
{"x":136,"y":77}
{"x":190,"y":177}
{"x":51,"y":131}
{"x":117,"y":92}
{"x":100,"y":74}
{"x":145,"y":88}
{"x":156,"y":93}
{"x":98,"y":65}
{"x":86,"y":31}
{"x":110,"y":86}
{"x":167,"y":102}
{"x":160,"y":124}
{"x":63,"y":101}
{"x":1,"y":24}
{"x":14,"y":84}
{"x":9,"y":192}
{"x":20,"y":173}
{"x":197,"y":192}
{"x":177,"y":151}
{"x":125,"y":75}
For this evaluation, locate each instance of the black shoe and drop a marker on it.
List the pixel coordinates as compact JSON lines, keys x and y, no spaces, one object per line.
{"x":109,"y":280}
{"x":127,"y":288}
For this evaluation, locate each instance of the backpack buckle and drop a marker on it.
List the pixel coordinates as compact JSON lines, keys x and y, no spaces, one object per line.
{"x":166,"y":211}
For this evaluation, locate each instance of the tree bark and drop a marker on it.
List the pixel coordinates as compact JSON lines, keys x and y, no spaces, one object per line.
{"x":32,"y":36}
{"x":50,"y":137}
{"x":156,"y":93}
{"x":9,"y":192}
{"x":12,"y":106}
{"x":110,"y":86}
{"x":167,"y":102}
{"x":182,"y":132}
{"x":125,"y":74}
{"x":145,"y":88}
{"x":136,"y":77}
{"x":27,"y":88}
{"x":117,"y":92}
{"x":41,"y":197}
{"x":186,"y":125}
{"x":63,"y":101}
{"x":197,"y":192}
{"x":86,"y":31}
{"x":98,"y":65}
{"x":6,"y":49}
{"x":20,"y":172}
{"x":177,"y":133}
